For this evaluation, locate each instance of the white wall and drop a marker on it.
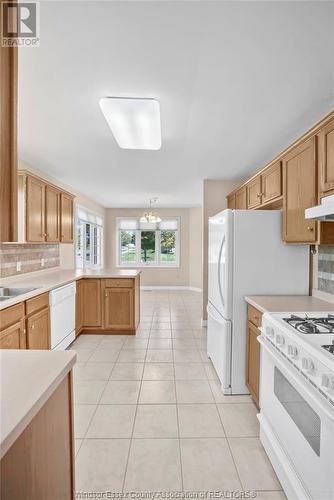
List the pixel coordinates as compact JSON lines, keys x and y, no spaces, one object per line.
{"x":195,"y":248}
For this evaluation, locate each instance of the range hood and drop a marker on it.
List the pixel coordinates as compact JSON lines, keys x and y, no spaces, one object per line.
{"x":324,"y":211}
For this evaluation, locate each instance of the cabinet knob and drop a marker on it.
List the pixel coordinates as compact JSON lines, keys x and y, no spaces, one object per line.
{"x":310,"y":228}
{"x":32,"y":327}
{"x":259,"y":195}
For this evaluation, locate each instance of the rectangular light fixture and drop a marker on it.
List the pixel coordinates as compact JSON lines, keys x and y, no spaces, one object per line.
{"x":134,"y":122}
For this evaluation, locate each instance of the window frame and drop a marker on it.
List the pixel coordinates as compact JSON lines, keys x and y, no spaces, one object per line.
{"x":157,"y":263}
{"x":95,"y":223}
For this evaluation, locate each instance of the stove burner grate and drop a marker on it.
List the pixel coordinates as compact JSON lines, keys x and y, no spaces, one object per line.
{"x":307,"y":325}
{"x":329,"y":347}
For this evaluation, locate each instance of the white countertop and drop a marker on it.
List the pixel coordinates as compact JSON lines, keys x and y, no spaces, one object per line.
{"x":27,"y":380}
{"x":44,"y":281}
{"x":289,"y":303}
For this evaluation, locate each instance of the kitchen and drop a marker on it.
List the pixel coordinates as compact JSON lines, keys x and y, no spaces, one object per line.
{"x":167,"y":242}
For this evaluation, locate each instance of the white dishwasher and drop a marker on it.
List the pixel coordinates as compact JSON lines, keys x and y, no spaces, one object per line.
{"x":62,"y":312}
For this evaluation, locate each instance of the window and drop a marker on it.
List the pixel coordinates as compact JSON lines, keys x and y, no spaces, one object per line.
{"x":89,"y":233}
{"x":144,"y":244}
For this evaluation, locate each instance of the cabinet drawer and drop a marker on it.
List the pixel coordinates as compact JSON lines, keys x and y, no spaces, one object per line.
{"x":11,"y":315}
{"x":119,"y":283}
{"x":37,"y":303}
{"x":254,"y":316}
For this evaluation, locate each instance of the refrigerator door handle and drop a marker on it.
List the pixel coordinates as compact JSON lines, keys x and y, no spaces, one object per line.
{"x":219,"y":267}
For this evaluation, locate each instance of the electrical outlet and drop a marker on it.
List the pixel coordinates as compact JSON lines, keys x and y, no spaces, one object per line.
{"x":42,"y":262}
{"x":18,"y":266}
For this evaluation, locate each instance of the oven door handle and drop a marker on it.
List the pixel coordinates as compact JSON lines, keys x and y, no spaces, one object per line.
{"x":292,"y":377}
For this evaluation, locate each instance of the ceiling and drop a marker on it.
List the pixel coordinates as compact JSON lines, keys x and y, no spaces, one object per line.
{"x":236,"y":81}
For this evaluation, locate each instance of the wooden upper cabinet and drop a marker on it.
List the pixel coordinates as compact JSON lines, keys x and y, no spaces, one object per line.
{"x":241,"y":199}
{"x":8,"y":143}
{"x":66,"y":218}
{"x":254,"y":195}
{"x":52,"y":214}
{"x":91,"y":297}
{"x":231,"y":201}
{"x":271,"y":180}
{"x":35,"y":210}
{"x":300,"y":192}
{"x":45,"y":211}
{"x":326,"y":158}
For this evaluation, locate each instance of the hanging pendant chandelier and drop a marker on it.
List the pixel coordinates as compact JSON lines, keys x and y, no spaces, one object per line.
{"x":149,"y":216}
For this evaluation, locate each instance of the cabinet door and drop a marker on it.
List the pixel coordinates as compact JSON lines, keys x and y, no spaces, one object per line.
{"x":52,"y":214}
{"x":241,"y":199}
{"x":299,"y":184}
{"x":326,"y":158}
{"x":253,"y":362}
{"x":91,"y":297}
{"x":79,"y":307}
{"x":272,"y":182}
{"x":38,"y":330}
{"x":13,"y":337}
{"x":66,"y":218}
{"x":231,"y":201}
{"x":35,"y":210}
{"x":118,"y":308}
{"x":254,"y":196}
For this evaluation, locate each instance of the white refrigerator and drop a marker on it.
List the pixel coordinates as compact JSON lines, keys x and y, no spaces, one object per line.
{"x":246,"y":256}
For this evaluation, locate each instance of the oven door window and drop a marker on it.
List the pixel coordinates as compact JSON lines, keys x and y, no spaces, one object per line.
{"x":305,"y":418}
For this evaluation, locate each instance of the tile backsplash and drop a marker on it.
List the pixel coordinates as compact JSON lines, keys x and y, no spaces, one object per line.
{"x":326,"y":269}
{"x":29,"y":256}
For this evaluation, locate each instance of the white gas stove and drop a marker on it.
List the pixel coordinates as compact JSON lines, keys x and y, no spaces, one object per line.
{"x":297,"y":401}
{"x":306,"y":340}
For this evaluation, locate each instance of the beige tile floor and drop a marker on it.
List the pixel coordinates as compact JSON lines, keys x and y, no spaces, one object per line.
{"x":150,"y":415}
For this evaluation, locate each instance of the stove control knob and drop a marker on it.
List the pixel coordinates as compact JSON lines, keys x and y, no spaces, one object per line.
{"x":311,"y":366}
{"x":325,"y":381}
{"x":292,"y":351}
{"x":305,"y":363}
{"x":280,"y":340}
{"x":270,"y":332}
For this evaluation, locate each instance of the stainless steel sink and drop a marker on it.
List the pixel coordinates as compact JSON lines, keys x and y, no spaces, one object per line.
{"x":7,"y":293}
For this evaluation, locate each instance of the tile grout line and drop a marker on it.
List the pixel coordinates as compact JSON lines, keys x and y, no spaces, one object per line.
{"x":133,"y":427}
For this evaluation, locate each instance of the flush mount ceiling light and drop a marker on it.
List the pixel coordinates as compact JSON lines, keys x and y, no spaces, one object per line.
{"x":135,"y":123}
{"x":150,"y":216}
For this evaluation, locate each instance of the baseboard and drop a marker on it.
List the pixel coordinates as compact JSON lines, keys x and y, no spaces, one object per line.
{"x":167,"y":287}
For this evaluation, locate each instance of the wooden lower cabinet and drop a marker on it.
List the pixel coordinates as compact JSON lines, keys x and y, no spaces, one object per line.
{"x":26,"y":325}
{"x":91,"y":306}
{"x":253,"y":353}
{"x":13,"y":337}
{"x":38,"y":330}
{"x":118,"y":308}
{"x":79,"y":307}
{"x":108,"y":305}
{"x":40,"y":463}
